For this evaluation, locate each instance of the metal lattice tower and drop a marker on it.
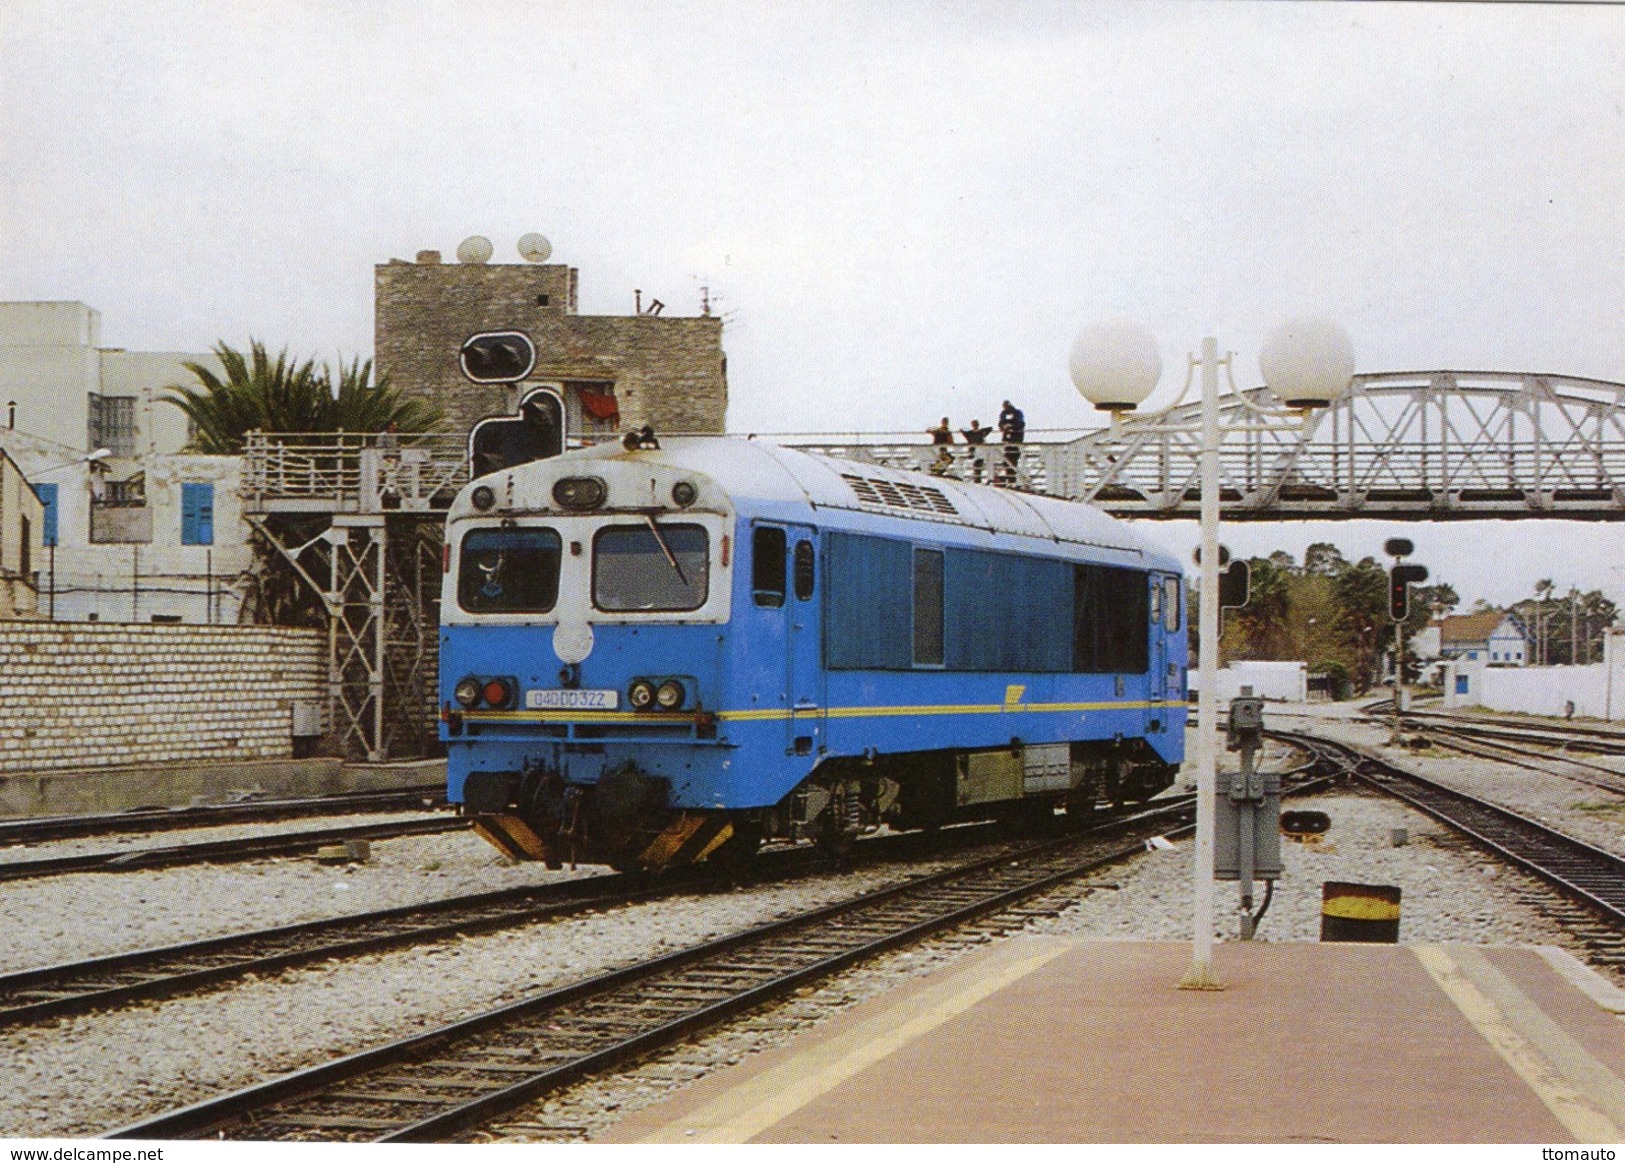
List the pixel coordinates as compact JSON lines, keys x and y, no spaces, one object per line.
{"x":361,"y":527}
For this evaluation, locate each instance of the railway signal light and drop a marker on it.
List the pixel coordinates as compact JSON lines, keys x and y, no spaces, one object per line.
{"x":497,"y":357}
{"x":1400,"y":580}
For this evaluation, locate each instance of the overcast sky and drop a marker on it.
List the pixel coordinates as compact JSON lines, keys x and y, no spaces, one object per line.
{"x":903,"y":210}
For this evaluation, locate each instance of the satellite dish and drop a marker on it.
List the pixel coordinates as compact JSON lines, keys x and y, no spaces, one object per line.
{"x":476,"y":249}
{"x":534,"y":248}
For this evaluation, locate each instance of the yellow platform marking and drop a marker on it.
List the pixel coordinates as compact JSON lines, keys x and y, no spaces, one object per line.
{"x":1583,"y":1094}
{"x":772,"y":1096}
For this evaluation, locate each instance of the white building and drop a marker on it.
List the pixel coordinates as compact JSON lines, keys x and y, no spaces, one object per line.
{"x":1495,"y":637}
{"x":22,"y":520}
{"x":134,"y":529}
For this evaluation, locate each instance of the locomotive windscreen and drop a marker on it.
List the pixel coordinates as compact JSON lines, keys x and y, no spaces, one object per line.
{"x":509,"y":571}
{"x":650,"y":567}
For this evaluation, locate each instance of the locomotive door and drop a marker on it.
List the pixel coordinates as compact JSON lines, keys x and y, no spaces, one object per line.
{"x":803,"y":660}
{"x":784,"y":582}
{"x":1156,"y":685}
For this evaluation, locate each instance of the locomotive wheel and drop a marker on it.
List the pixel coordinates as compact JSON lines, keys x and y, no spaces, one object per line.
{"x":737,"y":854}
{"x":834,"y":842}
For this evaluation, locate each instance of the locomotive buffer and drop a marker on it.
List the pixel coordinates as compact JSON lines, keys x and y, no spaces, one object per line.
{"x":1247,"y":839}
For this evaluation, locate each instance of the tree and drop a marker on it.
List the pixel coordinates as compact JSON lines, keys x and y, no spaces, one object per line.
{"x":278,"y":395}
{"x":1324,"y":559}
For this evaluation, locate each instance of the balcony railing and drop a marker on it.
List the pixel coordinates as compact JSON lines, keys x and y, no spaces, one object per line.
{"x":347,"y":472}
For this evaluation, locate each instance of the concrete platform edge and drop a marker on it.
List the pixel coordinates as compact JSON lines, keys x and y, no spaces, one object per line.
{"x":120,"y":789}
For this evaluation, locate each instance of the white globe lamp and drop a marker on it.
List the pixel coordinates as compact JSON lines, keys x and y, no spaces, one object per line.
{"x":1308,"y":363}
{"x":1115,"y":365}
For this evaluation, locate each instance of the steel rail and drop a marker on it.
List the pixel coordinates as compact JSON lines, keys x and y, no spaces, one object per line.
{"x":222,"y":851}
{"x":1582,"y":871}
{"x":438,"y":1083}
{"x":1598,"y":742}
{"x":1565,"y":767}
{"x":35,"y":829}
{"x":112,"y":980}
{"x":103,"y":982}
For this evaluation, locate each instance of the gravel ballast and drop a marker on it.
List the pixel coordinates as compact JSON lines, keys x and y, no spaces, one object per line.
{"x":88,"y":1074}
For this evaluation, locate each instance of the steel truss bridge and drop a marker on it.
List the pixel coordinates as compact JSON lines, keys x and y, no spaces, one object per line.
{"x":1397,"y":446}
{"x":360,"y":525}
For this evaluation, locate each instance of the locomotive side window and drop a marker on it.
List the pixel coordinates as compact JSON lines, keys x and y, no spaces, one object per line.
{"x":928,"y":607}
{"x":767,"y":565}
{"x":1170,"y":603}
{"x":509,"y":571}
{"x":650,"y":567}
{"x":1008,"y":612}
{"x":1110,"y":616}
{"x":868,"y":603}
{"x":806,"y":573}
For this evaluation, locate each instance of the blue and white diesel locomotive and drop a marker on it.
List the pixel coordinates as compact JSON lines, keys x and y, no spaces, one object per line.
{"x":656,"y":657}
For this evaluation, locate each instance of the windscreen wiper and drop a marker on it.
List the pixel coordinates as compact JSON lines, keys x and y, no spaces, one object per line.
{"x":671,"y":557}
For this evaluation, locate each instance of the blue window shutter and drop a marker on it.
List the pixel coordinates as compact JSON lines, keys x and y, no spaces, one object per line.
{"x":47,"y":496}
{"x":197,"y":514}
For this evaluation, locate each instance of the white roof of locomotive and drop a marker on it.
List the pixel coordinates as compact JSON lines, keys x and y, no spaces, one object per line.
{"x":747,"y":468}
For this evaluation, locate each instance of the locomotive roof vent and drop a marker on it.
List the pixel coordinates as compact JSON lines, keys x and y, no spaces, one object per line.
{"x":900,"y":495}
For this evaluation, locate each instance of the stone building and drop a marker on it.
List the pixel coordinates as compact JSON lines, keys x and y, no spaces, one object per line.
{"x":613,"y":372}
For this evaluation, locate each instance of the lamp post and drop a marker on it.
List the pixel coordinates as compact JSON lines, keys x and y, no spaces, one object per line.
{"x":1307,"y":363}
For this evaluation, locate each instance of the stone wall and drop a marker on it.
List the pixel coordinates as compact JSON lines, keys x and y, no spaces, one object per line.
{"x":87,"y":695}
{"x":668,"y":371}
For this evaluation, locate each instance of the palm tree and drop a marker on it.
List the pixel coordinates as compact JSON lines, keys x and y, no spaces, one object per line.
{"x":278,"y":395}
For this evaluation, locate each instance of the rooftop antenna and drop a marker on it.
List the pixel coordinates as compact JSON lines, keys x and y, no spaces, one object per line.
{"x":534,"y":248}
{"x":474,"y":249}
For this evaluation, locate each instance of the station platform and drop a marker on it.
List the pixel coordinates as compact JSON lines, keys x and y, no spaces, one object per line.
{"x":1053,"y":1040}
{"x":24,"y":795}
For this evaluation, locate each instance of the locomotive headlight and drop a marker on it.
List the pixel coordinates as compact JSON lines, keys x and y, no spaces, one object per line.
{"x":498,"y":692}
{"x":482,"y":498}
{"x":467,"y":692}
{"x":670,"y":695}
{"x":683,"y":494}
{"x":641,"y":695}
{"x":579,"y":492}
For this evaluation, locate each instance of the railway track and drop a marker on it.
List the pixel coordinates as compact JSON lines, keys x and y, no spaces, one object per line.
{"x":37,"y":829}
{"x":98,"y":983}
{"x":1560,"y":736}
{"x":221,"y":851}
{"x":1580,"y":871}
{"x":436,"y":1085}
{"x":1473,"y":741}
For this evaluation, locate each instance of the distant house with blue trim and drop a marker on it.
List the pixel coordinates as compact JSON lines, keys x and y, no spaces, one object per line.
{"x":1496,"y":637}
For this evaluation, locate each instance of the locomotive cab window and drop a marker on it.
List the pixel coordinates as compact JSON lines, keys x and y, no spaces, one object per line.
{"x":657,"y":566}
{"x":767,"y":565}
{"x":509,"y":571}
{"x":1170,"y":603}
